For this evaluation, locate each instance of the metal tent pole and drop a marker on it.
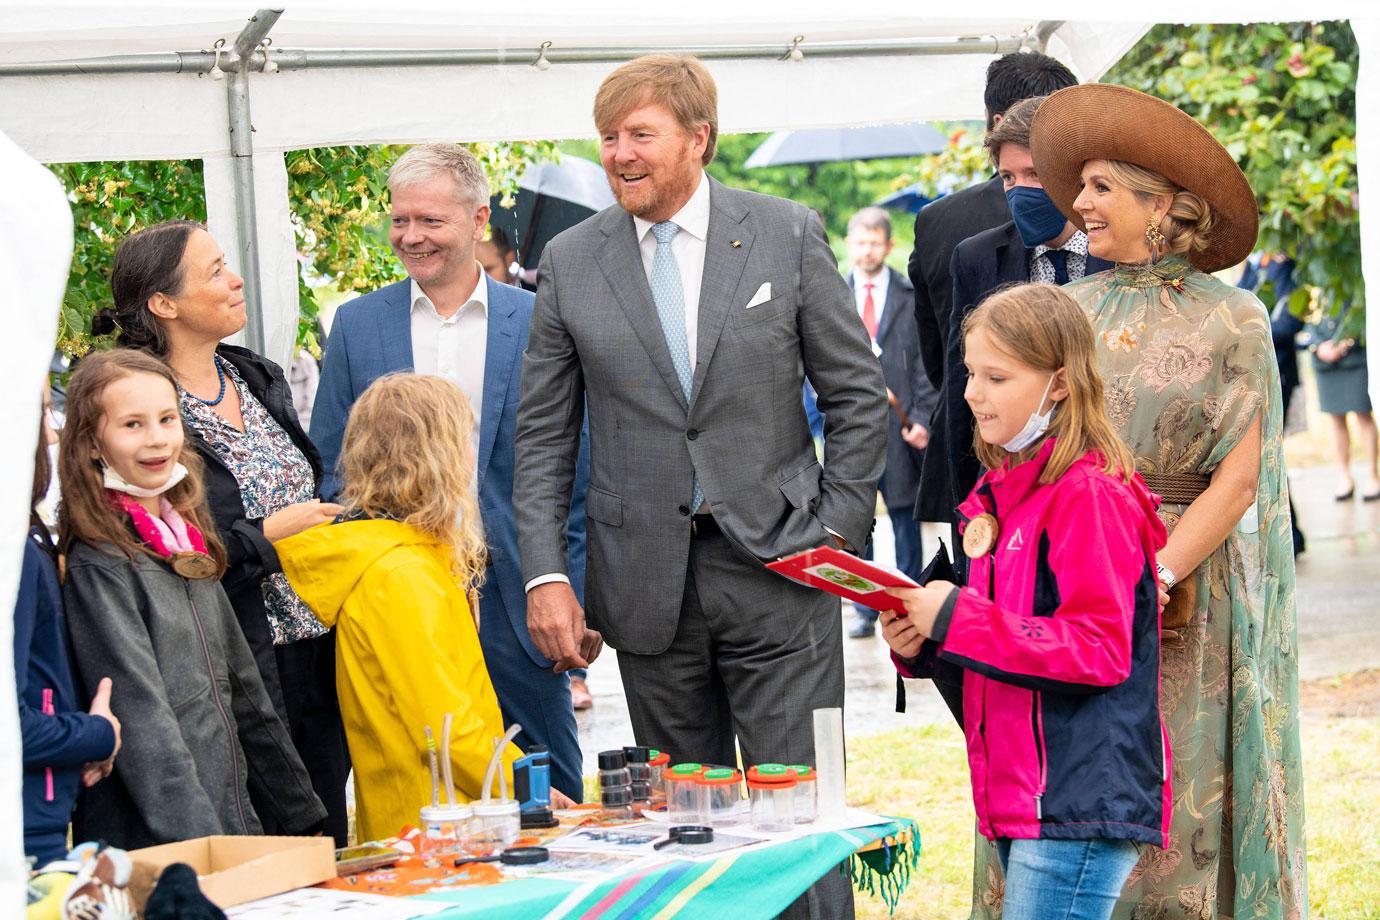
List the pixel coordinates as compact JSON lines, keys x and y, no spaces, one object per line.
{"x":242,"y":161}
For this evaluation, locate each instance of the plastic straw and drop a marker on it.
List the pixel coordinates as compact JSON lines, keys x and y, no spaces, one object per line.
{"x":495,"y":760}
{"x":829,"y":763}
{"x":445,"y":763}
{"x":435,"y":777}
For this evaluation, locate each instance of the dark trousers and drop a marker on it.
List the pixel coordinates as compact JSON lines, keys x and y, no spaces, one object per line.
{"x":753,"y":656}
{"x":910,"y":551}
{"x":306,"y":673}
{"x":534,"y":697}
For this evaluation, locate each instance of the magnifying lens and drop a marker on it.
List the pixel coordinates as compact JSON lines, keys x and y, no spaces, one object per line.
{"x":687,"y":834}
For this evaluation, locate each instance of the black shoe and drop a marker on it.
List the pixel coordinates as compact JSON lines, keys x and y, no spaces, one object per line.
{"x":862,"y":628}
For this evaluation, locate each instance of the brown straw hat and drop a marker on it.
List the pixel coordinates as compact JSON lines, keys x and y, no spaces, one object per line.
{"x":1099,"y":121}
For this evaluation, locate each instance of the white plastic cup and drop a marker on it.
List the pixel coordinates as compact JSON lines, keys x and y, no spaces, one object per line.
{"x":829,"y":764}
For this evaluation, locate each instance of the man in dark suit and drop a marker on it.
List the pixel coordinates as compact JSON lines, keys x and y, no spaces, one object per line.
{"x":449,"y":318}
{"x":941,"y":226}
{"x":1037,"y":244}
{"x":885,"y":301}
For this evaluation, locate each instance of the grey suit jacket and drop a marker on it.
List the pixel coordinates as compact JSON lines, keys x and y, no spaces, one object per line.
{"x":596,"y":337}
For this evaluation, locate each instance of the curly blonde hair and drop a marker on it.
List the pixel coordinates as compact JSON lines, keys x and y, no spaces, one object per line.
{"x":1189,"y":219}
{"x":408,"y":454}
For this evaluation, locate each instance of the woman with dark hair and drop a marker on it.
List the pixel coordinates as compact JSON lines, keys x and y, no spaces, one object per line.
{"x":176,"y":298}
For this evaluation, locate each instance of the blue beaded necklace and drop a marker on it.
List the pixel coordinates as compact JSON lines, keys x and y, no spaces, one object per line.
{"x":220,"y":372}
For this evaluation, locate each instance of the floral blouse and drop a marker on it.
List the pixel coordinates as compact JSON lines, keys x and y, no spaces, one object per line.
{"x":273,"y":473}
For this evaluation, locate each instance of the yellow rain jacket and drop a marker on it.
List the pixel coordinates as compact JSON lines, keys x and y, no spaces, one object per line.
{"x":407,"y":652}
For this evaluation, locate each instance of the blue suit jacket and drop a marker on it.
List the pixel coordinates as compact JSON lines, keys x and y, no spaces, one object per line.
{"x":372,"y":336}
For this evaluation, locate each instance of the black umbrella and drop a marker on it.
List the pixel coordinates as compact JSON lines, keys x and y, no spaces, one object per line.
{"x":551,"y":197}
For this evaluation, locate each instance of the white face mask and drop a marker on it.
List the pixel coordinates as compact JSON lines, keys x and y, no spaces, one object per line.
{"x":116,"y":483}
{"x":1035,"y":426}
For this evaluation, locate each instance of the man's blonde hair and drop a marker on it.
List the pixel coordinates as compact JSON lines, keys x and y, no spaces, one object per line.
{"x":408,"y":454}
{"x":677,"y":81}
{"x":425,"y":162}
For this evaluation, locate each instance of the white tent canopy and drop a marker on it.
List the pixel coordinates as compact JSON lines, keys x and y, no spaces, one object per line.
{"x":887,"y":61}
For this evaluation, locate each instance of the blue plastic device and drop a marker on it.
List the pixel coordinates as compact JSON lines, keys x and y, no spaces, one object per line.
{"x":532,"y":779}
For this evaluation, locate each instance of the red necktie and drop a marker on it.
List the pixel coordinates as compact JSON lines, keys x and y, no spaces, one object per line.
{"x":870,"y":311}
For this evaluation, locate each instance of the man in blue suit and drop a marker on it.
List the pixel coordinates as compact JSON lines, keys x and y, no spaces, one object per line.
{"x":450,"y":319}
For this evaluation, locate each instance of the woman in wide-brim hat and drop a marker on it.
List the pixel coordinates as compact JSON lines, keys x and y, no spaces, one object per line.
{"x":1193,"y":389}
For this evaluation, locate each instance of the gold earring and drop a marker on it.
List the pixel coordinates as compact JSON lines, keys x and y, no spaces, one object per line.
{"x":1153,"y":237}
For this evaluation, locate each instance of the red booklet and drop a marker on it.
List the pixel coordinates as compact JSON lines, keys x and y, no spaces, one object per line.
{"x":846,"y":575}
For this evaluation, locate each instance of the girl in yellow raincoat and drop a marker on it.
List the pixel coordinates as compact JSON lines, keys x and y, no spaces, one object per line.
{"x":392,"y":575}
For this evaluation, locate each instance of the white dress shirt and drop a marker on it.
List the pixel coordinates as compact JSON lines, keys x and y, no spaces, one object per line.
{"x":688,"y":248}
{"x":880,"y":283}
{"x":453,"y":347}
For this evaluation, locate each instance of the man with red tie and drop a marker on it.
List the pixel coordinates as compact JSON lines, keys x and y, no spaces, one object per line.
{"x":886,"y":303}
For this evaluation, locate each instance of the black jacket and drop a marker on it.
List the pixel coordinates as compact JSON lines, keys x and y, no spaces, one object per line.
{"x":251,"y":558}
{"x":59,"y":735}
{"x":199,"y":730}
{"x":981,"y":264}
{"x":939,"y":227}
{"x":899,"y":350}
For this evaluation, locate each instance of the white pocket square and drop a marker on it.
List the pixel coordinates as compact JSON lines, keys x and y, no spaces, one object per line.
{"x":762,"y":296}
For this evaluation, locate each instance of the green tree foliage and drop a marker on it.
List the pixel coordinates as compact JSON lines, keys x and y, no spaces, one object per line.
{"x":1282,"y":99}
{"x":339,"y":215}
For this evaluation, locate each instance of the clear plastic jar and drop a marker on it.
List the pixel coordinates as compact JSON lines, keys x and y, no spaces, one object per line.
{"x":771,"y":787}
{"x":658,"y":761}
{"x":497,"y":825}
{"x":445,"y":829}
{"x":684,"y":803}
{"x":639,"y":773}
{"x":615,"y":783}
{"x":722,"y":791}
{"x":806,"y":791}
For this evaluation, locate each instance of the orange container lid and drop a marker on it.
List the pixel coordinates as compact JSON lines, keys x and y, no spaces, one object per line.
{"x":683,"y":772}
{"x":803,"y":774}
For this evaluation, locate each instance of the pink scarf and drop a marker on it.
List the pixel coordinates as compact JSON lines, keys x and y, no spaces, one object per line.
{"x":168,"y":535}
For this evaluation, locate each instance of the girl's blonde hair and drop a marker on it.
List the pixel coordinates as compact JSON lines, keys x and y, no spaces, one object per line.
{"x":1044,"y":328}
{"x":86,"y":513}
{"x":408,"y":454}
{"x":1189,"y":219}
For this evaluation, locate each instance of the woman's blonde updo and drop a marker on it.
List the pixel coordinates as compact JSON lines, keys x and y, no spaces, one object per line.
{"x":1189,"y":219}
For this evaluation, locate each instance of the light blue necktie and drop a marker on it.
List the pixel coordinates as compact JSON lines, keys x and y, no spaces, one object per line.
{"x":669,"y":296}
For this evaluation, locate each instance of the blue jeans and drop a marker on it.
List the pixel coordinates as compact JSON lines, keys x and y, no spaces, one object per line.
{"x":1064,"y":879}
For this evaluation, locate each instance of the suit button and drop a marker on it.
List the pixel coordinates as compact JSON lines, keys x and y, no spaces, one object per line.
{"x":684,"y":509}
{"x":692,"y":434}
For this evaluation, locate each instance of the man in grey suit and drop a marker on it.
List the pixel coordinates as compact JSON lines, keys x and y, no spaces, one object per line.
{"x":686,"y":318}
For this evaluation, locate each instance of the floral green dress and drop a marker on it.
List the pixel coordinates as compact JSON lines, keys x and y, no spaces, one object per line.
{"x":1188,"y":365}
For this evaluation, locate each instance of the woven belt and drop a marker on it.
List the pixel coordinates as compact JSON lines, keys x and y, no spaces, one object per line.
{"x":1177,"y":488}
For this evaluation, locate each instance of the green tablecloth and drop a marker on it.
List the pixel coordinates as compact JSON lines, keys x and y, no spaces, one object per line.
{"x":741,"y":884}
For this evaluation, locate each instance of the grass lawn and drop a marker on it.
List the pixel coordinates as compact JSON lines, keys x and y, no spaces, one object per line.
{"x":923,"y":773}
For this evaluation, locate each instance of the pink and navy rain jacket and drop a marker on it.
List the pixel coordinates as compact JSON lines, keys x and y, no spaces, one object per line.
{"x":1058,"y":631}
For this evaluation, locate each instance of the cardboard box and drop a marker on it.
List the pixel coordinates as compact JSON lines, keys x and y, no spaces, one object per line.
{"x":233,"y":870}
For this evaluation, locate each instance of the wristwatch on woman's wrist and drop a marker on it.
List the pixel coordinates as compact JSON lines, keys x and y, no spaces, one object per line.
{"x":1166,"y":574}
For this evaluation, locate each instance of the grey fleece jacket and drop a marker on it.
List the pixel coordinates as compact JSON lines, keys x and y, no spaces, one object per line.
{"x":198,"y":728}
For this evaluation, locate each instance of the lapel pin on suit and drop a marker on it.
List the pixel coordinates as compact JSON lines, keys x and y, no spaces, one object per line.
{"x":736,"y":244}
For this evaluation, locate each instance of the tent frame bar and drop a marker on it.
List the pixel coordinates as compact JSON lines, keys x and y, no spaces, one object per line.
{"x":252,"y":58}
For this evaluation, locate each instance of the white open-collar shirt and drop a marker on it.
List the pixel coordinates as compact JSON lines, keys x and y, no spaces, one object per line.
{"x":453,"y":347}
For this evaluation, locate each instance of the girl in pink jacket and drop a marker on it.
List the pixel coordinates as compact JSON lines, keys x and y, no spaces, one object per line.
{"x":1058,"y":628}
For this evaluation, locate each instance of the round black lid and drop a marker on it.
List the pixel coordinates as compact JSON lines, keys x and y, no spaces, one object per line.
{"x":616,"y":796}
{"x":638,"y":754}
{"x":612,"y":760}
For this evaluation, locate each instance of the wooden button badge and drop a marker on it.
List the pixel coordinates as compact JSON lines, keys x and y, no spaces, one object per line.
{"x":979,"y":536}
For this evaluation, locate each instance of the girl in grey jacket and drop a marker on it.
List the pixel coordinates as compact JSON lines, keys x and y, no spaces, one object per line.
{"x":145,"y":608}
